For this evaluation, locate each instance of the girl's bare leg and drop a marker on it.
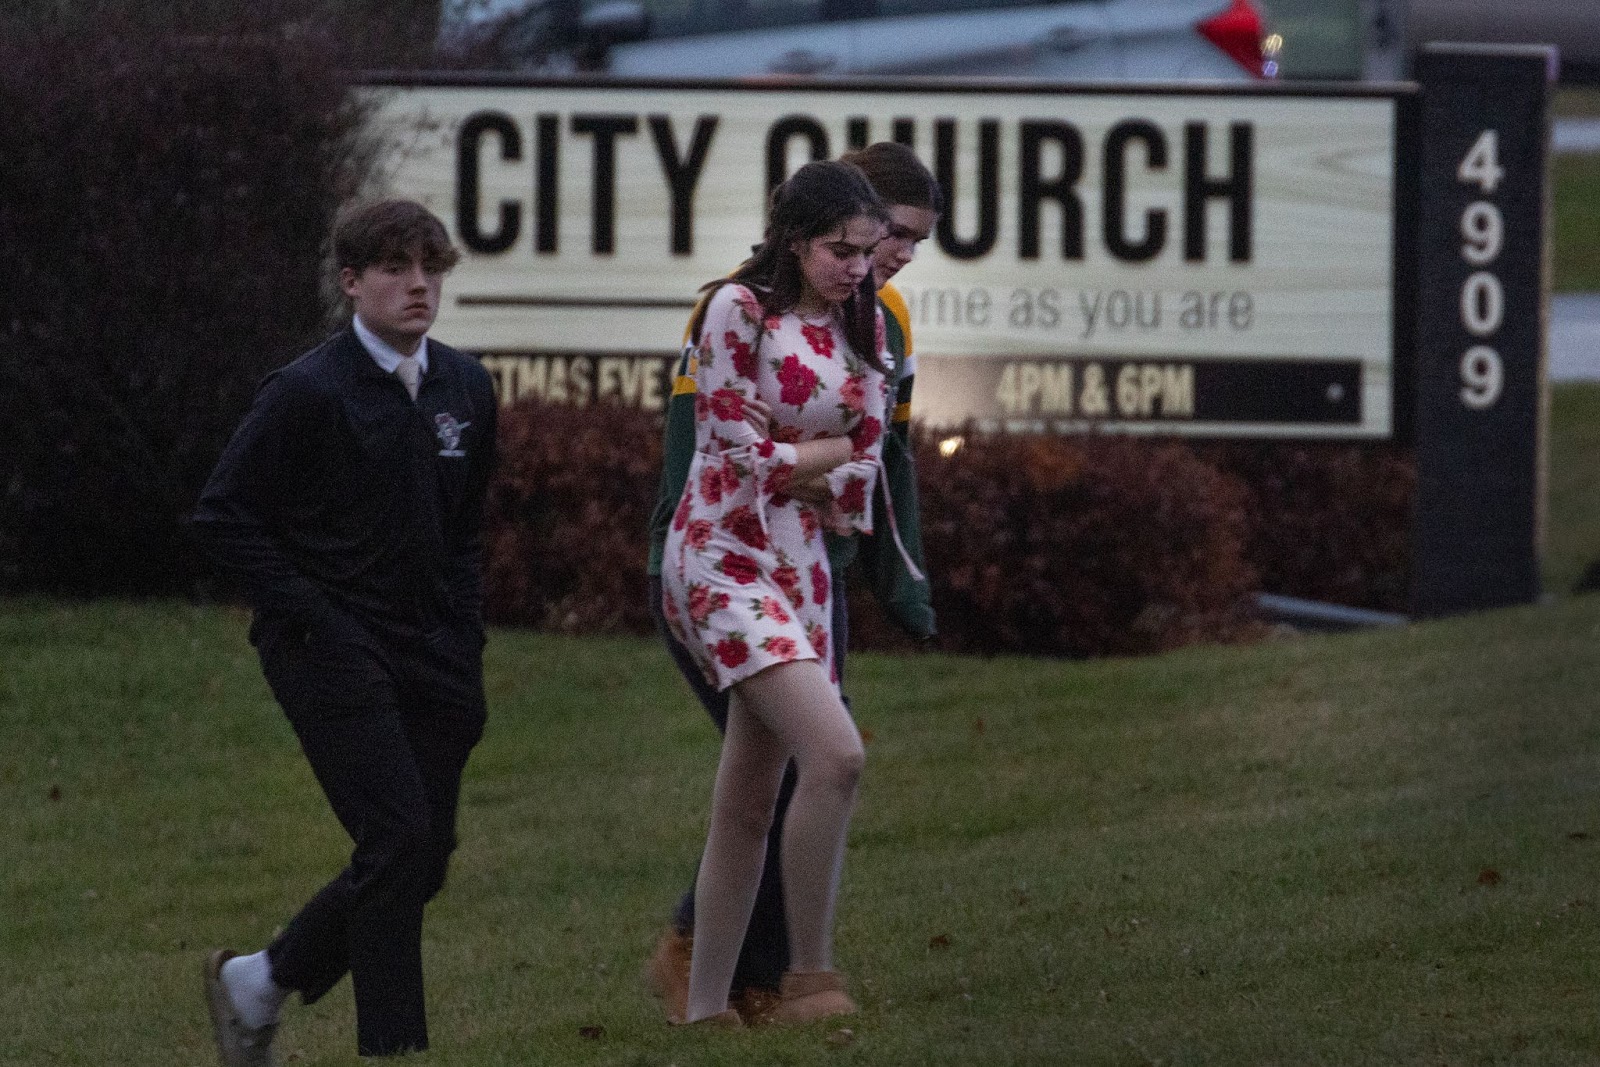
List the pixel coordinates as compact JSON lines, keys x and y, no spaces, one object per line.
{"x":801,"y":710}
{"x":748,"y":776}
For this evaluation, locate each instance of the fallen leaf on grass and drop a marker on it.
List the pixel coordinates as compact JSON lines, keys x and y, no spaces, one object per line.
{"x":939,"y":941}
{"x":842,"y":1037}
{"x":593,"y":1033}
{"x":979,"y":726}
{"x":1489,"y":876}
{"x":55,"y":792}
{"x":866,"y":736}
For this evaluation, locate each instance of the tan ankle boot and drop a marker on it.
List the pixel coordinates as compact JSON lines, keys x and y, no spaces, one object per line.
{"x":806,"y":996}
{"x":667,"y":972}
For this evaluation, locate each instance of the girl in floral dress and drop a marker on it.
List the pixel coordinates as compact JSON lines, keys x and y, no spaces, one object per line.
{"x":789,"y":420}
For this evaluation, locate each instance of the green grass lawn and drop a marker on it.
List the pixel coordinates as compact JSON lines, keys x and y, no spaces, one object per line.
{"x":1377,"y":848}
{"x":1575,"y":222}
{"x":1575,"y":214}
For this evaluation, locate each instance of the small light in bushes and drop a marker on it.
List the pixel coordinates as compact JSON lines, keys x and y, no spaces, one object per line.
{"x":950,"y":446}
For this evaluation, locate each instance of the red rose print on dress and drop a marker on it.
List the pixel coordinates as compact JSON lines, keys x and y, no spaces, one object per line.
{"x":698,"y":534}
{"x":767,"y":607}
{"x":778,"y":479}
{"x":681,"y":516}
{"x":819,"y":585}
{"x":702,"y":407}
{"x":702,"y":602}
{"x":818,"y":636}
{"x":732,"y":473}
{"x":866,"y":433}
{"x":852,"y":498}
{"x":820,"y":338}
{"x":788,"y":579}
{"x":798,"y":381}
{"x":732,"y":650}
{"x":786,"y":435}
{"x":728,"y":405}
{"x":780,"y":648}
{"x":744,"y":355}
{"x":765,"y":448}
{"x":853,"y":393}
{"x":749,"y":305}
{"x":740,"y":568}
{"x":809,"y":524}
{"x":711,"y":484}
{"x":745,"y":524}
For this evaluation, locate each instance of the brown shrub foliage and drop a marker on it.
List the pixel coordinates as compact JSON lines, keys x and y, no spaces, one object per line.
{"x":567,"y":517}
{"x":1074,"y":546}
{"x":1082,"y":546}
{"x":1328,"y":522}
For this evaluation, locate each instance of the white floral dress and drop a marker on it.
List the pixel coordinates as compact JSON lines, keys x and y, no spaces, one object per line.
{"x":745,"y":574}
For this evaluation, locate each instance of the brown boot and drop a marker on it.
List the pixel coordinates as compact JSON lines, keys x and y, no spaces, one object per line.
{"x":806,"y":996}
{"x":753,"y":1002}
{"x":667,"y":972}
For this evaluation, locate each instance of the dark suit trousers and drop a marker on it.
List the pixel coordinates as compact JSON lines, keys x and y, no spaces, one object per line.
{"x":764,"y":956}
{"x":387,"y":722}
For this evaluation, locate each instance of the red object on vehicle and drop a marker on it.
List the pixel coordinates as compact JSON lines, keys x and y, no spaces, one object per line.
{"x":1238,"y":32}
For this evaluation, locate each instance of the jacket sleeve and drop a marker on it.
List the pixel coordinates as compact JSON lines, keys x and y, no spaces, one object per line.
{"x":907,"y":599}
{"x":247,"y":492}
{"x":677,"y":452}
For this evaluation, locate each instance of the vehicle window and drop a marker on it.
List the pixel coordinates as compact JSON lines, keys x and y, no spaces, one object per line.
{"x":683,"y":18}
{"x":939,"y":7}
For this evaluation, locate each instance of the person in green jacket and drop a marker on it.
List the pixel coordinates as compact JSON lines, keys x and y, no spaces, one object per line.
{"x":915,"y":201}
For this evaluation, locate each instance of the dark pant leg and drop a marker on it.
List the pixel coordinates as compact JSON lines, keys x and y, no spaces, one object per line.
{"x":383,"y":775}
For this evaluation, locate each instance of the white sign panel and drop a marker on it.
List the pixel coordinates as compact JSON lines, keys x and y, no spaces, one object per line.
{"x":1206,"y":262}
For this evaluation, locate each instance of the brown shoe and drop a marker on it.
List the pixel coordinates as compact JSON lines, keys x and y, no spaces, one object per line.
{"x":667,"y":972}
{"x":806,"y":996}
{"x":753,"y":1002}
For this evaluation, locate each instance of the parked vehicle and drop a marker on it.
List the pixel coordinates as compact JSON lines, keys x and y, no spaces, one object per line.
{"x":1067,"y":40}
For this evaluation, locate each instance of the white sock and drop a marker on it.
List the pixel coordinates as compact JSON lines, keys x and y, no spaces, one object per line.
{"x":256,"y":997}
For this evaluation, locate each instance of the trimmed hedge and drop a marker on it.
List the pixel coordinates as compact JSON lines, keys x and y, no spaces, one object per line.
{"x":1076,"y":546}
{"x":566,"y":524}
{"x":1329,"y":522}
{"x":1080,"y":546}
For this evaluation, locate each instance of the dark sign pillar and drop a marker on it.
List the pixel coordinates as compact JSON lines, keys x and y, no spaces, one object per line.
{"x":1481,"y":324}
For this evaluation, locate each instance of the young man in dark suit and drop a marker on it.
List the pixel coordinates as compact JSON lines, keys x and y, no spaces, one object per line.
{"x":348,"y":507}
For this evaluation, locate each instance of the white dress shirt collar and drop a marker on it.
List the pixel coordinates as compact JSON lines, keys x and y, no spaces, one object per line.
{"x":385,"y":354}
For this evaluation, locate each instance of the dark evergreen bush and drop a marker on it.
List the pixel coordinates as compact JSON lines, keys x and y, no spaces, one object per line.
{"x":164,"y":198}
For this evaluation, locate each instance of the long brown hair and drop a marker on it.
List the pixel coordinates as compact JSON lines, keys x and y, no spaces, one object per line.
{"x":817,"y":198}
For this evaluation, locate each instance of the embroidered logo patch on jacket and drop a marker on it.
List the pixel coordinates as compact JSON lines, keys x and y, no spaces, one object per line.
{"x":449,"y":431}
